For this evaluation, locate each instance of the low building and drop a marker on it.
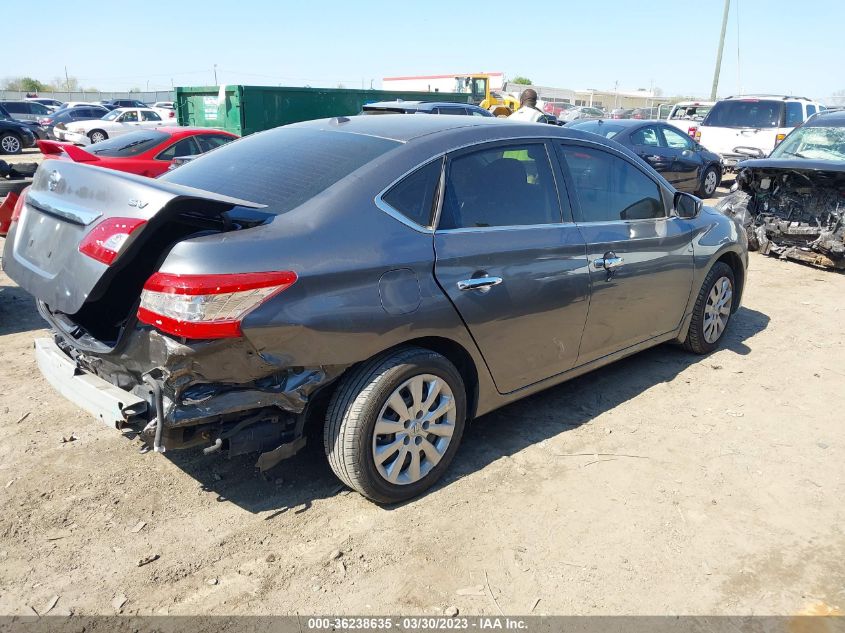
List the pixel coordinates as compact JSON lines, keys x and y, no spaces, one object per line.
{"x":436,"y":83}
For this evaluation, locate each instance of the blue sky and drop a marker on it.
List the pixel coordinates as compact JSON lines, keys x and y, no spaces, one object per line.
{"x":785,"y":47}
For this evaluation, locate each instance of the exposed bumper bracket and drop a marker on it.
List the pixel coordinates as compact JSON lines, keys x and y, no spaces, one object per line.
{"x":112,"y":405}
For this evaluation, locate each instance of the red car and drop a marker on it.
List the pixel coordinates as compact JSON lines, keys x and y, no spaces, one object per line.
{"x":145,"y":152}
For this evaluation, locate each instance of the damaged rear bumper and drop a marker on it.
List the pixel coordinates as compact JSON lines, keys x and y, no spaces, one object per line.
{"x":222,"y":394}
{"x":104,"y":401}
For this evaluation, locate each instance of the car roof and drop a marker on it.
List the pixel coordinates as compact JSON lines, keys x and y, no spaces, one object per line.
{"x":409,"y":128}
{"x":627,"y":123}
{"x":828,"y":118}
{"x":766,"y":96}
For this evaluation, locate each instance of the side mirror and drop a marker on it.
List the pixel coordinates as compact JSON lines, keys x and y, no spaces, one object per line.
{"x":687,"y":206}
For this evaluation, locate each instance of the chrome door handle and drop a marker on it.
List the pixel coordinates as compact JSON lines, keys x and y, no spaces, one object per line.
{"x":606,"y":263}
{"x":479,"y":283}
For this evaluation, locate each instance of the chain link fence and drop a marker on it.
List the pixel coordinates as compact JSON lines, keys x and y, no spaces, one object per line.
{"x":150,"y":96}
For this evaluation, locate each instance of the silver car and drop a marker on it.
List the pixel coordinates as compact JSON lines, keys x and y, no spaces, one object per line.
{"x":384,"y":279}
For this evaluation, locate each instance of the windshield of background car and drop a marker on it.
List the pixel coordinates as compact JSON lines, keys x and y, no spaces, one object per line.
{"x":690,"y":113}
{"x":127,"y":145}
{"x":818,"y":143}
{"x":751,"y":113}
{"x":602,"y":128}
{"x":282,"y":168}
{"x":111,"y":116}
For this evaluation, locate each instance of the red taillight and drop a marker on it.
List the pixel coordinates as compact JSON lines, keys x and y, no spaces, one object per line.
{"x":172,"y":115}
{"x":207,"y":306}
{"x":106,"y":239}
{"x":691,"y":130}
{"x":18,"y":208}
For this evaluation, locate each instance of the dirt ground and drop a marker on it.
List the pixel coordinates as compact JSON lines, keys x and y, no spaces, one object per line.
{"x":664,"y":484}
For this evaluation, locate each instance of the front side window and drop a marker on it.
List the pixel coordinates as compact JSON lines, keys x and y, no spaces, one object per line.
{"x":415,"y":195}
{"x":508,"y":185}
{"x":16,"y":108}
{"x":610,"y":188}
{"x":676,"y":140}
{"x":185,"y":147}
{"x":208,"y":142}
{"x":646,"y":136}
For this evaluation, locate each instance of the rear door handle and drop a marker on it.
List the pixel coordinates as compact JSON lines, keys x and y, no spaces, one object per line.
{"x":479,"y":283}
{"x":608,"y":262}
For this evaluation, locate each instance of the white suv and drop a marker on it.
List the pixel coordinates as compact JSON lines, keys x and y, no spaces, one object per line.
{"x":751,"y":125}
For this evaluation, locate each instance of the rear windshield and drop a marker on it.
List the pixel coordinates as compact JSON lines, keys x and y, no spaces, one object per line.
{"x":745,"y":113}
{"x":130,"y":144}
{"x":690,"y":113}
{"x":602,"y":128}
{"x":281,"y":168}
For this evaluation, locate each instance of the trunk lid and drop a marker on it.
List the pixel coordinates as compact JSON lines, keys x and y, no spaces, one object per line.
{"x":66,"y":201}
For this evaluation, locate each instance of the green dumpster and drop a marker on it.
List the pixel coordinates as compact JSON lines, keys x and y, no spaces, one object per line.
{"x":248,"y":109}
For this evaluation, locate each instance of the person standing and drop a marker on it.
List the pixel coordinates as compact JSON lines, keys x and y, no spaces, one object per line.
{"x":528,"y":110}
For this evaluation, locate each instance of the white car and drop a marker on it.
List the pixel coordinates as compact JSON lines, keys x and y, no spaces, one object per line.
{"x":751,"y":126}
{"x":163,"y":104}
{"x":115,"y":123}
{"x":687,"y":115}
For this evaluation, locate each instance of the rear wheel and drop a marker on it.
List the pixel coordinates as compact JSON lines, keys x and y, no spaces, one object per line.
{"x":712,"y":311}
{"x":10,"y":143}
{"x":709,"y":182}
{"x":394,"y":424}
{"x":95,"y":136}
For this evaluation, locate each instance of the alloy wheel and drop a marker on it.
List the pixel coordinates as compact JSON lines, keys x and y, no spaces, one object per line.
{"x":414,"y":429}
{"x":710,"y":181}
{"x":11,"y":145}
{"x":717,"y":311}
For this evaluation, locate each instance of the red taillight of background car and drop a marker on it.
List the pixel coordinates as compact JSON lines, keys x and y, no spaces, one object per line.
{"x":106,"y":239}
{"x":207,"y":306}
{"x":172,"y":115}
{"x":691,"y":130}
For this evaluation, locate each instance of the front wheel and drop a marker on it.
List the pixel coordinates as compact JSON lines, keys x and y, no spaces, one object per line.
{"x":10,"y":144}
{"x":95,"y":136}
{"x":709,"y":182}
{"x":712,"y":311}
{"x":394,"y":424}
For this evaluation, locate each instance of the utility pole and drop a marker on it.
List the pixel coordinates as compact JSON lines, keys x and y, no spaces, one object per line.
{"x":67,"y":81}
{"x":721,"y":47}
{"x":215,"y":67}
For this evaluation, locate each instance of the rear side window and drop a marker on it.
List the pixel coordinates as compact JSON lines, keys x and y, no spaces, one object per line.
{"x":147,"y":115}
{"x":282,"y":168}
{"x":415,"y":195}
{"x":611,"y":189}
{"x":508,"y":185}
{"x":794,"y":114}
{"x":746,"y":113}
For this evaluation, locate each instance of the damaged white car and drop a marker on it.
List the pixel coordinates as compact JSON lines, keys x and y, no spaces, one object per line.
{"x":793,"y":202}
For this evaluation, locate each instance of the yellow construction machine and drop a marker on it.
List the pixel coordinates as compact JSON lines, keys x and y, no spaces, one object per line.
{"x":478,"y":87}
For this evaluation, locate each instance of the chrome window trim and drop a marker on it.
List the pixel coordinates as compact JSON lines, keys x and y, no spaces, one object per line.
{"x":398,"y":215}
{"x":510,"y":227}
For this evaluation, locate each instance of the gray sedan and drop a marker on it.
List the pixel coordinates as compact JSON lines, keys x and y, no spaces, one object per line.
{"x":384,"y":279}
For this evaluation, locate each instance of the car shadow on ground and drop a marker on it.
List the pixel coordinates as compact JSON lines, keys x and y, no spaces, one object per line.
{"x":17,"y":311}
{"x":294,"y":484}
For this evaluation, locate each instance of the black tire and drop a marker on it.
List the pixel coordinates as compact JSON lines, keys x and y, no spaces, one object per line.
{"x":356,"y":404}
{"x":707,"y":190}
{"x":10,"y":143}
{"x":696,"y":340}
{"x":93,"y":133}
